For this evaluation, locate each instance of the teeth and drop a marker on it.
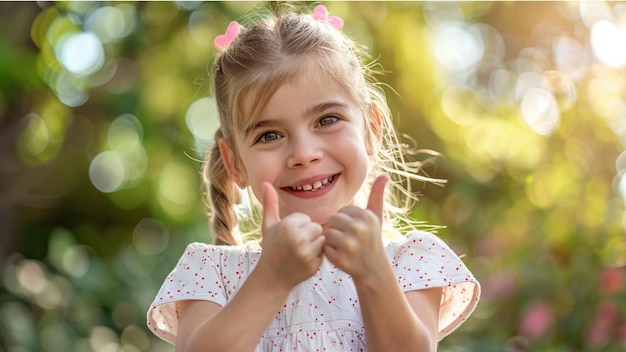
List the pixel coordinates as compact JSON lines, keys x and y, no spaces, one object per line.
{"x":314,"y":186}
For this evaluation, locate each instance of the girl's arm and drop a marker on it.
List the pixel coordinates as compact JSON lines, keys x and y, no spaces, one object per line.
{"x":393,"y":321}
{"x":238,"y":326}
{"x":292,"y":252}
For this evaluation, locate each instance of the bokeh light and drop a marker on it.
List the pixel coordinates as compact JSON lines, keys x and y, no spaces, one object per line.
{"x":36,"y":136}
{"x":457,"y":46}
{"x":68,"y":90}
{"x":178,"y":188}
{"x":81,"y":54}
{"x":540,"y":111}
{"x":112,"y":23}
{"x":202,"y":120}
{"x":108,"y":172}
{"x":608,"y":43}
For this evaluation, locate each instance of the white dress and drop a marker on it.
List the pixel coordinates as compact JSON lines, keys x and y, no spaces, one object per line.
{"x":321,"y":313}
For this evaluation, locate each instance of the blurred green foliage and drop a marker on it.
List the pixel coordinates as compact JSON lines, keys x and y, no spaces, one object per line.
{"x":105,"y":115}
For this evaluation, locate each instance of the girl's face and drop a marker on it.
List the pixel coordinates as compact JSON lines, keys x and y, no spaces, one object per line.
{"x":309,"y":142}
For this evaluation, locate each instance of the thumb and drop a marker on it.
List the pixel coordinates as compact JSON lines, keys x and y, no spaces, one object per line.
{"x":271,"y":214}
{"x":376,"y":200}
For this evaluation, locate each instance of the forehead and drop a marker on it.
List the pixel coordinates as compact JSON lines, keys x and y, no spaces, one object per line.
{"x":309,"y":85}
{"x":306,"y":86}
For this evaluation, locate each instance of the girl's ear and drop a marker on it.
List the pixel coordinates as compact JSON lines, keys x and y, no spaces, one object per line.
{"x":376,"y":123}
{"x":228,"y":157}
{"x":376,"y":127}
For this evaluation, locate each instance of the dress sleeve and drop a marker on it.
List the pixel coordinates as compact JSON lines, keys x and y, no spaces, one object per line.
{"x":422,"y":260}
{"x":195,"y":277}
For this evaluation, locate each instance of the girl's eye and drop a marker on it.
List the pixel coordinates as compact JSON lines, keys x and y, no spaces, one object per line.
{"x":268,"y":137}
{"x":327,"y":120}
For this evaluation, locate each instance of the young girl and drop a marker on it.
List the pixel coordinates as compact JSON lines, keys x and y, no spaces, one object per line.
{"x":306,"y":129}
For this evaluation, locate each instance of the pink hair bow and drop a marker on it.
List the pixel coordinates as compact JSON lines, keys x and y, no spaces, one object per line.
{"x":320,"y":13}
{"x":222,"y":41}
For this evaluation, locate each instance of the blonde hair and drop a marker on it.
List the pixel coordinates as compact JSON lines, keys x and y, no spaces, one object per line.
{"x":263,"y":57}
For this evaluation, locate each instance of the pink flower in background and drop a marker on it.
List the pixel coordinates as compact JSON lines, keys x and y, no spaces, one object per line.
{"x":612,"y":280}
{"x":537,"y":319}
{"x":603,"y":326}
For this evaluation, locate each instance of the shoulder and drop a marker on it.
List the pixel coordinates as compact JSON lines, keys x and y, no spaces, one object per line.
{"x":206,"y":247}
{"x":200,"y":274}
{"x":197,"y":250}
{"x":420,"y":251}
{"x":225,"y":260}
{"x":416,"y":239}
{"x":422,"y":260}
{"x":202,"y":268}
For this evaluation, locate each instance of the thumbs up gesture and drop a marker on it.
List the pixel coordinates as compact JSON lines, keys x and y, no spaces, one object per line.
{"x":354,"y":235}
{"x":292,"y":246}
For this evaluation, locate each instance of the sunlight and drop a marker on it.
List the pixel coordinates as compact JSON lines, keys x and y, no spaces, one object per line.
{"x":81,"y":53}
{"x":609,"y":43}
{"x":457,"y":46}
{"x":540,"y":111}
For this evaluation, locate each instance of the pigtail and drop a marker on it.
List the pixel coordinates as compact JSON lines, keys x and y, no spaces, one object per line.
{"x":223,"y":193}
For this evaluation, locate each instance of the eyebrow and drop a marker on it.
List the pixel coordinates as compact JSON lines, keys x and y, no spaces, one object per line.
{"x":319,"y":108}
{"x":313,"y":110}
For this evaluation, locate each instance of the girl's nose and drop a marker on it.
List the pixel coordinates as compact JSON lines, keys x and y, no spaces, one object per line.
{"x":303,"y":152}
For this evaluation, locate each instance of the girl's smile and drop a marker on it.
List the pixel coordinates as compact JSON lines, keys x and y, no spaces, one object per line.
{"x":312,"y":189}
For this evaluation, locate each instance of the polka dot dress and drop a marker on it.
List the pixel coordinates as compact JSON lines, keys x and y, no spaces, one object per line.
{"x":323,"y":312}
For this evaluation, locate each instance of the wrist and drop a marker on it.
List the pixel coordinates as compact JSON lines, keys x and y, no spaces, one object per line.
{"x":265,"y":279}
{"x":381,"y":276}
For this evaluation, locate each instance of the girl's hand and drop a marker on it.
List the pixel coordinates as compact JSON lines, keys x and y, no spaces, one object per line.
{"x":354,"y":236}
{"x":292,"y":247}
